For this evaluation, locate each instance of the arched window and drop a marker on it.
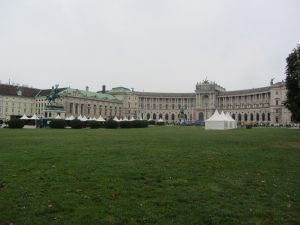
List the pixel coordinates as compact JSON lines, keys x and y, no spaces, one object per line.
{"x":257,"y":117}
{"x":154,"y":116}
{"x":148,"y":116}
{"x":263,"y":117}
{"x":240,"y":117}
{"x":233,"y":116}
{"x":251,"y":117}
{"x":167,"y":117}
{"x":160,"y":116}
{"x":173,"y":117}
{"x":269,"y":117}
{"x":245,"y":117}
{"x":185,"y":116}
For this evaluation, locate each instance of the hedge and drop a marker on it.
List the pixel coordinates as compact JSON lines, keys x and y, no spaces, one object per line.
{"x":94,"y":124}
{"x":57,"y":123}
{"x":111,"y":124}
{"x":76,"y":124}
{"x":15,"y":123}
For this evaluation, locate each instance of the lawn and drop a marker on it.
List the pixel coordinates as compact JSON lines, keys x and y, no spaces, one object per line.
{"x":156,"y":175}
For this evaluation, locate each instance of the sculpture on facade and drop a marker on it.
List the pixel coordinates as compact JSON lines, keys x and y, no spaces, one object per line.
{"x":205,"y":81}
{"x":54,"y":94}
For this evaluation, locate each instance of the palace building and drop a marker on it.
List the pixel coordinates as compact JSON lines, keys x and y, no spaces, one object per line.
{"x":261,"y":105}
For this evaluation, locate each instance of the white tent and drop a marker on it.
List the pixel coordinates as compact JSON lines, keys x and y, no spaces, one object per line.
{"x":160,"y":120}
{"x":100,"y":119}
{"x":227,"y":121}
{"x":70,"y":118}
{"x":116,"y":119}
{"x":34,"y":117}
{"x":24,"y":117}
{"x":79,"y":117}
{"x":132,"y":118}
{"x":232,"y":122}
{"x":217,"y":122}
{"x":125,"y":119}
{"x":93,"y":119}
{"x":58,"y":117}
{"x":84,"y":119}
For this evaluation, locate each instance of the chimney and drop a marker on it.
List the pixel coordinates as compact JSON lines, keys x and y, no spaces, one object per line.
{"x":103,"y":89}
{"x":87,"y":88}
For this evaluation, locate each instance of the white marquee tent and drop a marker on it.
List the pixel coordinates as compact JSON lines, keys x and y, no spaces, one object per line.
{"x":220,"y":121}
{"x":116,"y":119}
{"x":100,"y":119}
{"x":34,"y":117}
{"x":217,"y":122}
{"x":24,"y":117}
{"x":232,"y":122}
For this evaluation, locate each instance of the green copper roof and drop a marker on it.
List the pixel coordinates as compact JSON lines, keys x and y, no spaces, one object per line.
{"x":100,"y":95}
{"x":120,"y":89}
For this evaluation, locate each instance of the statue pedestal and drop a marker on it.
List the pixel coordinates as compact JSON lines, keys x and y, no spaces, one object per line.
{"x":52,"y":111}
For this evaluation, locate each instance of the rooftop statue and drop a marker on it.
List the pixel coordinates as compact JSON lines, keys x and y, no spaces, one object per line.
{"x":54,"y":94}
{"x":205,"y":81}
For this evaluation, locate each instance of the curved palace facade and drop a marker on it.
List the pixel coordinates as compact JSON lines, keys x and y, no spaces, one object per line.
{"x":261,"y":105}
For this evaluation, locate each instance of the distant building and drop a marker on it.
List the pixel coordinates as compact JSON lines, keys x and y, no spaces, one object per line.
{"x":261,"y":105}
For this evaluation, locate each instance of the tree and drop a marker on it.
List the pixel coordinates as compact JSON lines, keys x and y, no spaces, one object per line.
{"x":293,"y":83}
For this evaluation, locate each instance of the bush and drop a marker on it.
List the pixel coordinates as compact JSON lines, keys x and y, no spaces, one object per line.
{"x":126,"y":124}
{"x":58,"y":124}
{"x":151,"y":122}
{"x":95,"y":125}
{"x":111,"y":124}
{"x":76,"y":124}
{"x":160,"y":123}
{"x":248,"y":125}
{"x":15,"y":123}
{"x":139,"y":123}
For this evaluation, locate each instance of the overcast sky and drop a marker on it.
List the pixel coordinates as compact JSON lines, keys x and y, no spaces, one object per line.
{"x":153,"y":45}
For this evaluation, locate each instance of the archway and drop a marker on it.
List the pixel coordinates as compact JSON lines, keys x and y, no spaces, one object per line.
{"x":201,"y":116}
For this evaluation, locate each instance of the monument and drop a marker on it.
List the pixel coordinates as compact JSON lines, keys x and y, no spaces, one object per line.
{"x":54,"y":110}
{"x":181,"y":116}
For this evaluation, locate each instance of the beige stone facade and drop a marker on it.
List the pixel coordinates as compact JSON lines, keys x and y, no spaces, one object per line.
{"x":260,"y":105}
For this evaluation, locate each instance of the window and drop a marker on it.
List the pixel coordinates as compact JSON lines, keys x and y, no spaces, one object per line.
{"x":166,"y":117}
{"x":154,"y":116}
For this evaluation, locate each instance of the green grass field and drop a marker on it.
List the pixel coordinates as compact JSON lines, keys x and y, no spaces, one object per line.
{"x":156,"y":175}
